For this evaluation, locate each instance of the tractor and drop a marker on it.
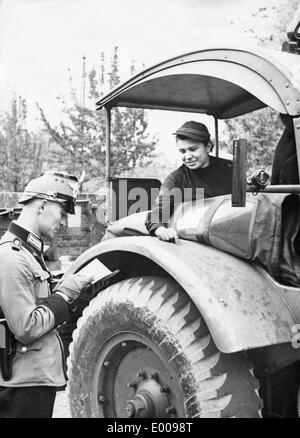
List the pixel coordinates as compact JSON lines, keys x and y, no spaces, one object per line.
{"x":209,"y":328}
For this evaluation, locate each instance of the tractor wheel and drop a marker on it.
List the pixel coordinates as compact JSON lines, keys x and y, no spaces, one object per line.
{"x":142,"y":350}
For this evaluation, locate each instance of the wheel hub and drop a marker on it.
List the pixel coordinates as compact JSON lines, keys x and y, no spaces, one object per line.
{"x":139,"y":407}
{"x":133,"y":381}
{"x":150,"y":398}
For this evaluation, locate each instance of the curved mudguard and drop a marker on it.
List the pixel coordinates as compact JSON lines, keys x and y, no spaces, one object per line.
{"x":240,"y":303}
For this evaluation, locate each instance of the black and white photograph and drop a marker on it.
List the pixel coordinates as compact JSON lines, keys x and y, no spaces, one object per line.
{"x":149,"y":211}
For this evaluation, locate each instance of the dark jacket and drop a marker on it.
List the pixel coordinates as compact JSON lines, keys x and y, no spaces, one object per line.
{"x":285,"y":164}
{"x":215,"y":180}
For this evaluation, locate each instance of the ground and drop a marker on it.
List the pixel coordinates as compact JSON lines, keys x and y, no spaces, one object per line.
{"x":61,"y":407}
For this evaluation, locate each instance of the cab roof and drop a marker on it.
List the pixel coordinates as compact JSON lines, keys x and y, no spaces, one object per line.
{"x":223,"y":82}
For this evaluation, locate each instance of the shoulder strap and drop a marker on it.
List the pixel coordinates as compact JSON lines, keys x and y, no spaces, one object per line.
{"x":38,"y":258}
{"x":6,"y":241}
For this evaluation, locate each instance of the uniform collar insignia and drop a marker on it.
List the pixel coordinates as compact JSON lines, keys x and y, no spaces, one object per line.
{"x":35,"y":241}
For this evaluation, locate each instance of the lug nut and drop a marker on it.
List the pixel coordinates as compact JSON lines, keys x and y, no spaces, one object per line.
{"x":165,"y":389}
{"x":130,"y":409}
{"x":154,"y":376}
{"x":171,"y":410}
{"x":132,"y":385}
{"x":106,"y":364}
{"x":102,"y":399}
{"x":124,"y":344}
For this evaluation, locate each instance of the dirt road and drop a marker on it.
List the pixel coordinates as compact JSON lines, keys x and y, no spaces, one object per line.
{"x":61,"y":407}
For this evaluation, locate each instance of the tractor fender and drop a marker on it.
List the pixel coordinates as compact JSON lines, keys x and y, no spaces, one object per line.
{"x":239,"y":302}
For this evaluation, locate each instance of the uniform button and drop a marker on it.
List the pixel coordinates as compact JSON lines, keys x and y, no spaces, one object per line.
{"x":24,"y":349}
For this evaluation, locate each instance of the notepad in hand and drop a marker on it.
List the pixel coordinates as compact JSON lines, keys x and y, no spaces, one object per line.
{"x":96,"y":269}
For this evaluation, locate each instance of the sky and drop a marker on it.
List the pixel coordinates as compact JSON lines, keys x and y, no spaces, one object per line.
{"x":41,"y":39}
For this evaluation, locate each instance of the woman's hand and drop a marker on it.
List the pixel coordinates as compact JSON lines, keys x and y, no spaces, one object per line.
{"x":167,"y":234}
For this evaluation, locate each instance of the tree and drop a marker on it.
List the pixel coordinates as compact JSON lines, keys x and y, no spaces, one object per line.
{"x":81,"y":138}
{"x":263,"y":128}
{"x":258,"y":30}
{"x":21,"y":152}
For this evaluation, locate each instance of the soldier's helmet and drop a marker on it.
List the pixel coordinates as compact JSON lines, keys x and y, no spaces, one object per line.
{"x":53,"y":186}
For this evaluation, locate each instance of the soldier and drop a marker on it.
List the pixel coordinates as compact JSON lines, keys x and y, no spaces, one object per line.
{"x":31,"y":357}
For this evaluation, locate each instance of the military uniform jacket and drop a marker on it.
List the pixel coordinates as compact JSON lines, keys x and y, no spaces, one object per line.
{"x":23,"y":288}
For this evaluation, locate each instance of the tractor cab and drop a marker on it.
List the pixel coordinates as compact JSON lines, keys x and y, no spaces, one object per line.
{"x":222,"y":83}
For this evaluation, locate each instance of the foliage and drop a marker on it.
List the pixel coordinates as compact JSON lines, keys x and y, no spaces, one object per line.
{"x":81,"y":137}
{"x":269,"y":36}
{"x":262,"y":129}
{"x":283,"y":15}
{"x":21,"y":152}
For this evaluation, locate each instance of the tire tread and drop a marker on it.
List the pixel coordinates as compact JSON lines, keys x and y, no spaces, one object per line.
{"x":174,"y":310}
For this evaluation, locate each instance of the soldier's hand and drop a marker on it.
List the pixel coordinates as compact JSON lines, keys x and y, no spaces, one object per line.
{"x":167,"y":234}
{"x":71,"y":285}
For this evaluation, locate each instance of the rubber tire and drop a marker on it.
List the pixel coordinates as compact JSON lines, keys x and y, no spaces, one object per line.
{"x":214,"y":385}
